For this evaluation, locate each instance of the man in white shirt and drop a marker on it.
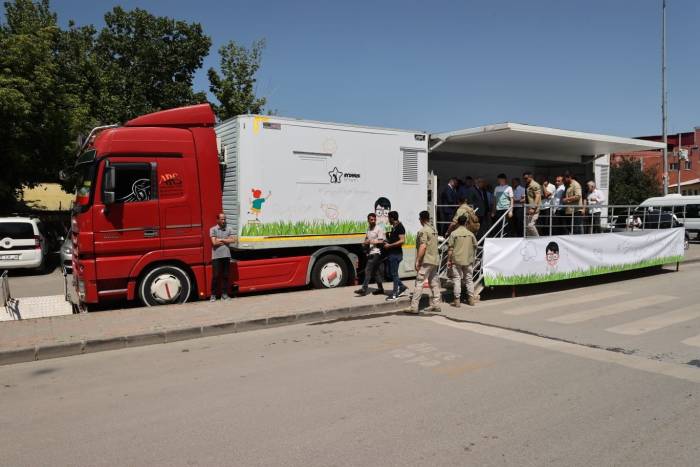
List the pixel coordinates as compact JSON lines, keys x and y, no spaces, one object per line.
{"x":558,"y":210}
{"x":595,"y":198}
{"x":546,"y":223}
{"x":503,"y":203}
{"x":374,"y":241}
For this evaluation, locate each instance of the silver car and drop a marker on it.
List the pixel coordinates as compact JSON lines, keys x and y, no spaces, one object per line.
{"x":67,"y":253}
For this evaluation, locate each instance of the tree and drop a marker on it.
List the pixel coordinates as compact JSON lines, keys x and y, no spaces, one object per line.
{"x":40,"y":109}
{"x":149,"y":63}
{"x":235,"y":89}
{"x":630,"y":184}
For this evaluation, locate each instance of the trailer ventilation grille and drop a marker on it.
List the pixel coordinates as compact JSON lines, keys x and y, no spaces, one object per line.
{"x":603,"y":183}
{"x":410,"y":166}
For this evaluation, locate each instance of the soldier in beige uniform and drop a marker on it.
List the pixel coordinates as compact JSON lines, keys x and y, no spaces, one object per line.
{"x":472,"y":219}
{"x":462,"y":245}
{"x":427,"y":261}
{"x":534,"y":200}
{"x":573,"y":197}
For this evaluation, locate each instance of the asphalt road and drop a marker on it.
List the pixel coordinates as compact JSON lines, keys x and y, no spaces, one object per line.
{"x":386,"y":390}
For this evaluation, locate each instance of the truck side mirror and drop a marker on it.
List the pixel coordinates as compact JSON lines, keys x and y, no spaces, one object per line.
{"x":108,"y":184}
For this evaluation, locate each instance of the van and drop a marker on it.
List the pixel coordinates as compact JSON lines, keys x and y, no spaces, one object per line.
{"x":22,"y":244}
{"x":678,"y":204}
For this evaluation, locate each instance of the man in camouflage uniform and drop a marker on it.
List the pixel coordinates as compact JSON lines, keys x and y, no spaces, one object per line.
{"x":427,"y":261}
{"x":466,"y":210}
{"x":462,"y":246}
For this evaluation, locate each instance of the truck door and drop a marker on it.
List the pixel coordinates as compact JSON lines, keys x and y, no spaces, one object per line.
{"x":180,"y":221}
{"x":129,"y":228}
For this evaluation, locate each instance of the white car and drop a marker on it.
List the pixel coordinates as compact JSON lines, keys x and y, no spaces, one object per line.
{"x":22,"y":244}
{"x":685,"y":208}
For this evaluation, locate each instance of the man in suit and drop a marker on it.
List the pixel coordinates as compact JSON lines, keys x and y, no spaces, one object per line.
{"x":449,"y":200}
{"x":482,"y":203}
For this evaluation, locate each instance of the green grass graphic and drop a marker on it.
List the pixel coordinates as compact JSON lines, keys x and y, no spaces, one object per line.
{"x":301,"y":228}
{"x":536,"y":278}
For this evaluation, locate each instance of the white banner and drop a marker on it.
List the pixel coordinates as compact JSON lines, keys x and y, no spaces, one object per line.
{"x":513,"y":261}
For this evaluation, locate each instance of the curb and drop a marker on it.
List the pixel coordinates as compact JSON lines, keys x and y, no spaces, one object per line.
{"x":85,"y":346}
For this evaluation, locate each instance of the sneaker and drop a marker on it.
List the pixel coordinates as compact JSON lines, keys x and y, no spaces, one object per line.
{"x":392,"y":298}
{"x":402,"y":291}
{"x":359,"y":291}
{"x":379,"y":292}
{"x":212,"y":298}
{"x":224,"y":297}
{"x":362,"y":292}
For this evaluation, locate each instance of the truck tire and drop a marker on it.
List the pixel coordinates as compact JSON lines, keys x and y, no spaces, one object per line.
{"x":164,"y":285}
{"x":329,"y":272}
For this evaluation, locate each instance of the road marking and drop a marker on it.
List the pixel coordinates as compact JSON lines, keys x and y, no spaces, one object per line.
{"x":694,"y":341}
{"x":629,"y":361}
{"x":653,"y":323}
{"x":566,"y":302}
{"x":611,"y":309}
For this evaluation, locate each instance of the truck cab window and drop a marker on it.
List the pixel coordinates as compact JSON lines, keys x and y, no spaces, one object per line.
{"x":133,"y":183}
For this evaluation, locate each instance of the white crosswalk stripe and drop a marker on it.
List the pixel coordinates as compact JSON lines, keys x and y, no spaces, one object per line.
{"x":603,"y":295}
{"x":652,"y":323}
{"x":611,"y":309}
{"x":694,"y":341}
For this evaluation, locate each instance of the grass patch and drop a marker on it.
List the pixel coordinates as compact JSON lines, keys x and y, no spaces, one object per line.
{"x":559,"y":276}
{"x":281,"y":228}
{"x":302,"y":228}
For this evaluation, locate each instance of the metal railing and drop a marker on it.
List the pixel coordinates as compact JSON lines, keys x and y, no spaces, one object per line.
{"x":578,"y":219}
{"x":5,"y":289}
{"x":498,"y":229}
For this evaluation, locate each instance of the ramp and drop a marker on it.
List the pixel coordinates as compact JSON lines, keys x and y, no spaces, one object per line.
{"x":30,"y":307}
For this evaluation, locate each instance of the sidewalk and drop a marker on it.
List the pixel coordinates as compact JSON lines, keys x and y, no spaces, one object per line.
{"x":60,"y":336}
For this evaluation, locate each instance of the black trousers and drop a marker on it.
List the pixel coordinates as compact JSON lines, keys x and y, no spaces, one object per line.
{"x":220,"y":269}
{"x":374,"y":267}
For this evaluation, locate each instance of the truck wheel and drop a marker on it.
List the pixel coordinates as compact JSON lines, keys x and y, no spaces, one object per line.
{"x":329,"y":272}
{"x":164,"y":285}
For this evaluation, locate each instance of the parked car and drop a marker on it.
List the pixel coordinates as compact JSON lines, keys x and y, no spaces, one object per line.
{"x":685,"y":208}
{"x":67,"y":253}
{"x":23,"y":244}
{"x":647,"y":218}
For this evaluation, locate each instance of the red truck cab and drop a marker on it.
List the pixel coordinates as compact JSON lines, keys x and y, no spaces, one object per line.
{"x":148,"y":192}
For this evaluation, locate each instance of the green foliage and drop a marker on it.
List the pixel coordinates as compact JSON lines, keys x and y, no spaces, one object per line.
{"x":41,"y":109}
{"x":148,"y":63}
{"x":235,"y":88}
{"x":58,"y":83}
{"x":594,"y":271}
{"x":629,"y":184}
{"x":282,"y":228}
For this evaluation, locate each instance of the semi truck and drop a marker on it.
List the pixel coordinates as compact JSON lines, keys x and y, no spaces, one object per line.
{"x":295,"y":192}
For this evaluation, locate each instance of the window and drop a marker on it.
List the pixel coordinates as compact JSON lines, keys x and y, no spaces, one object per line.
{"x":688,"y":164}
{"x":409,"y":166}
{"x":692,"y":210}
{"x":17,"y":230}
{"x":316,"y":168}
{"x":673,"y":166}
{"x":685,"y":192}
{"x":133,"y":183}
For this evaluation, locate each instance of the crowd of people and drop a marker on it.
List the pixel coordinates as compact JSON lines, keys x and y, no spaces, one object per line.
{"x":529,"y":207}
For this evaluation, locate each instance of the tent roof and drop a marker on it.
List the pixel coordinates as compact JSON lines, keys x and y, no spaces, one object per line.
{"x":518,"y":141}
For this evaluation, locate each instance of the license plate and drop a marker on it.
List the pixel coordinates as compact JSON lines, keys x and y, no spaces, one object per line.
{"x":9,"y":257}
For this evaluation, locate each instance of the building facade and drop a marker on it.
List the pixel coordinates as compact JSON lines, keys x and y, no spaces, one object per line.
{"x":689,"y":170}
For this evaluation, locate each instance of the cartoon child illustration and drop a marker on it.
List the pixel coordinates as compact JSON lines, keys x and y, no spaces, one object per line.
{"x":552,"y":257}
{"x":381,"y":208}
{"x":257,"y":201}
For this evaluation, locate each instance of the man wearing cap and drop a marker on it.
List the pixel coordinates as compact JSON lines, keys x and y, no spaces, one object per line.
{"x":427,"y":261}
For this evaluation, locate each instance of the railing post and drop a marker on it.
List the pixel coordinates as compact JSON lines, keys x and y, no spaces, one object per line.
{"x":551,"y":208}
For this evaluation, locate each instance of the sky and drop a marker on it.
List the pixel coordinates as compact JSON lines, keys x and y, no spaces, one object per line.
{"x":585,"y":65}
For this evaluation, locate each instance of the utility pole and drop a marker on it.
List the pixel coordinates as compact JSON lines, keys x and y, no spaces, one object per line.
{"x":663,"y":94}
{"x":680,"y":156}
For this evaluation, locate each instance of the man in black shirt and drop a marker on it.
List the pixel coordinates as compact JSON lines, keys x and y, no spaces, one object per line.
{"x":394,"y":252}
